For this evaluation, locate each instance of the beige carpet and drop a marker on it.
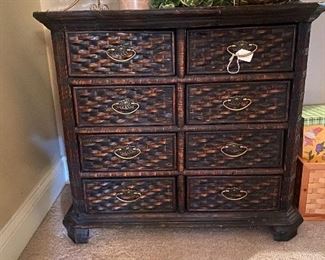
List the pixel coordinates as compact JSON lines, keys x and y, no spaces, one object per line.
{"x":139,"y":243}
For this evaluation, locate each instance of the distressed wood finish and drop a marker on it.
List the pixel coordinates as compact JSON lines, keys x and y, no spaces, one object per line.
{"x":71,"y":142}
{"x":168,"y":78}
{"x":156,"y":129}
{"x":295,"y":118}
{"x":82,"y":81}
{"x":180,"y":17}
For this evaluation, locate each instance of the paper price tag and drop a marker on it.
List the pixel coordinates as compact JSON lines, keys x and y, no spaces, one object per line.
{"x":244,"y":55}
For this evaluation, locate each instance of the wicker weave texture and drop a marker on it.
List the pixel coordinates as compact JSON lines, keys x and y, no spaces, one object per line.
{"x":156,"y":152}
{"x":258,"y":149}
{"x":94,"y":106}
{"x":237,"y":102}
{"x":154,"y":51}
{"x":315,"y":203}
{"x":205,"y":193}
{"x":130,"y":195}
{"x":208,"y":49}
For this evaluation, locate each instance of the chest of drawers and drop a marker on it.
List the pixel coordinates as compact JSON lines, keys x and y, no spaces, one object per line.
{"x":165,"y":124}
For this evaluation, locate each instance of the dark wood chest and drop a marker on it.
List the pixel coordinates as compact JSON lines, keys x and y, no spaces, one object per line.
{"x":182,"y":117}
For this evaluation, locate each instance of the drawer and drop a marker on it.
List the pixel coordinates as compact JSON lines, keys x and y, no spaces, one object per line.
{"x":130,"y":195}
{"x":237,"y":102}
{"x":233,"y":193}
{"x":234,"y":149}
{"x":114,"y":53}
{"x":127,"y":152}
{"x":208,"y":49}
{"x":123,"y":106}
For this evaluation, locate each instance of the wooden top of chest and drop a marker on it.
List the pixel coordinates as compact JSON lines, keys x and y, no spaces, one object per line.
{"x":180,"y":17}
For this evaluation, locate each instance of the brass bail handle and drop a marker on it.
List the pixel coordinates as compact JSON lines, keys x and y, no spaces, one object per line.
{"x":127,"y":54}
{"x":127,"y":153}
{"x":225,"y":104}
{"x":119,"y":196}
{"x":234,"y":55}
{"x":228,"y":191}
{"x":126,"y":105}
{"x":225,"y":147}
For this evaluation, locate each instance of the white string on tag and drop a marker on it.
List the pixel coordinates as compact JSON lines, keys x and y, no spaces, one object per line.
{"x":230,"y":61}
{"x":241,"y":55}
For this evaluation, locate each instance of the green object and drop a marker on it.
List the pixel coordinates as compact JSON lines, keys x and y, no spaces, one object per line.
{"x":188,"y":3}
{"x":314,"y":115}
{"x":191,"y":3}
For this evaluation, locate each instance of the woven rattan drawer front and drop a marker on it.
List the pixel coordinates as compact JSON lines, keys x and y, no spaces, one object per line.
{"x":233,"y":193}
{"x":121,"y":106}
{"x":234,"y":149}
{"x":130,"y":195}
{"x":127,"y":152}
{"x":115,"y":53}
{"x":237,"y":102}
{"x":208,"y":49}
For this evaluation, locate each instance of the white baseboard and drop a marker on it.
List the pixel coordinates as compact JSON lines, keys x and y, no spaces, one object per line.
{"x":20,"y":228}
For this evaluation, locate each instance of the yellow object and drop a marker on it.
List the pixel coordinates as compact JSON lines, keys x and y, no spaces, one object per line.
{"x":314,"y":143}
{"x":314,"y":133}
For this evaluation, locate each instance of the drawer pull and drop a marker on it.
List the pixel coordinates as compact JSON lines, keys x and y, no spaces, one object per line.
{"x":125,"y":107}
{"x":242,"y":51}
{"x":127,"y":152}
{"x":121,"y":53}
{"x":233,"y":103}
{"x":128,"y":196}
{"x":234,"y":150}
{"x":234,"y":194}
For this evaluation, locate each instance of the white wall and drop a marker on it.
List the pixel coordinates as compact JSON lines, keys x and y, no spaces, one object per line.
{"x":32,"y":172}
{"x":28,"y":135}
{"x":315,"y":82}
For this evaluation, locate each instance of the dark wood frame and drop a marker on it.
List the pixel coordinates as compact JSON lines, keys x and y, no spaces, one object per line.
{"x":285,"y":221}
